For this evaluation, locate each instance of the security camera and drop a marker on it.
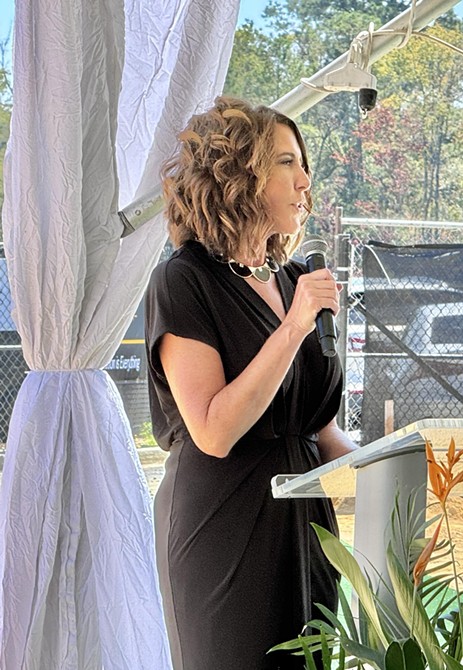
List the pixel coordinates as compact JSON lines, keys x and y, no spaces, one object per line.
{"x":367,"y":99}
{"x":350,"y":77}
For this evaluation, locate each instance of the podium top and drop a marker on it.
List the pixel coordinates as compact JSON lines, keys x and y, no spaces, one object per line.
{"x":338,"y":477}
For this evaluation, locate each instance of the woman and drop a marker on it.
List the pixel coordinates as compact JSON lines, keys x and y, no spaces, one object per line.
{"x":239,"y":392}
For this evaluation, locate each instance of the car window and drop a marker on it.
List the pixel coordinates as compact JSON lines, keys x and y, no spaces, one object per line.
{"x":447,"y":329}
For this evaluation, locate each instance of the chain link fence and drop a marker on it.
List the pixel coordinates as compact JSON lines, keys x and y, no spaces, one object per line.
{"x":401,"y":334}
{"x":12,"y":364}
{"x":403,"y":322}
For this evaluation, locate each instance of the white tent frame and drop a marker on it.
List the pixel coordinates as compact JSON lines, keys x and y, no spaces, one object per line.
{"x":304,"y":96}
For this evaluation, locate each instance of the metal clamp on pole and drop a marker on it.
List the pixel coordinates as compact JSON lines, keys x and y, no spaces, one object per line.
{"x":141,"y":211}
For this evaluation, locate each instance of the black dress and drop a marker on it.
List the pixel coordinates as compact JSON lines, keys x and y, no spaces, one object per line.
{"x":239,"y":570}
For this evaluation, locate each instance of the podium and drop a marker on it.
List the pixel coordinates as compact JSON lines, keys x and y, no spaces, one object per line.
{"x":373,"y":474}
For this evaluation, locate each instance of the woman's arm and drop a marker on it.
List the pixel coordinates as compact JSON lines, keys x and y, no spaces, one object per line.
{"x":217,"y":414}
{"x":333,"y":442}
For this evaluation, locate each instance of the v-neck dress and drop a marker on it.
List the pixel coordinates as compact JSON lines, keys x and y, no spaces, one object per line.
{"x":239,"y":570}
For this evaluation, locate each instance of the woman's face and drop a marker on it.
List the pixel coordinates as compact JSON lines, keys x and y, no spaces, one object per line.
{"x":284,"y":192}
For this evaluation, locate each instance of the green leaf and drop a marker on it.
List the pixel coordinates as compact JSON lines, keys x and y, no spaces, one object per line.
{"x":411,"y":608}
{"x":394,"y":659}
{"x":332,"y":618}
{"x":348,"y":616}
{"x":363,"y":653}
{"x":308,"y":655}
{"x":320,"y":625}
{"x":451,"y":633}
{"x":406,"y":656}
{"x":342,"y":659}
{"x":451,"y":663}
{"x":346,"y":564}
{"x":326,"y":652}
{"x":293,"y":645}
{"x":414,"y":659}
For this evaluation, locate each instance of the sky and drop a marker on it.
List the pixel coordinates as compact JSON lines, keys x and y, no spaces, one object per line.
{"x":6,"y":17}
{"x":251,"y":9}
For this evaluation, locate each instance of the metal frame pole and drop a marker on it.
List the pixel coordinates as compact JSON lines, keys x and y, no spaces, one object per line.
{"x":301,"y":98}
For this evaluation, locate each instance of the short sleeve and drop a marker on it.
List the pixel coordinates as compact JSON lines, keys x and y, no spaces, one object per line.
{"x":177,"y":302}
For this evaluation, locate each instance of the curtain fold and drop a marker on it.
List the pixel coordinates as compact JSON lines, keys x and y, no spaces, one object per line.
{"x":78,"y":581}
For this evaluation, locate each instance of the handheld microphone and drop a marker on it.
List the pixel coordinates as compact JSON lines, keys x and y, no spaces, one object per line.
{"x":314,"y":250}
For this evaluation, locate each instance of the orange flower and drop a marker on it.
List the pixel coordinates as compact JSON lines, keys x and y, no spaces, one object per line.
{"x":441,"y":476}
{"x":442,"y":480}
{"x":452,"y":457}
{"x":423,"y":558}
{"x":437,"y":474}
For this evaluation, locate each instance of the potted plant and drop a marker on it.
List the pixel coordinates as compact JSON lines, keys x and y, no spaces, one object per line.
{"x":425,"y":628}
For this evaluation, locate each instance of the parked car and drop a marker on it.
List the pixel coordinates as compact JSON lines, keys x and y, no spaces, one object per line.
{"x":355,"y":331}
{"x":423,"y":314}
{"x":436,"y":335}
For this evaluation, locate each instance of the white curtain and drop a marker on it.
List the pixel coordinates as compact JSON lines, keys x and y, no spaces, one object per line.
{"x":78,"y":585}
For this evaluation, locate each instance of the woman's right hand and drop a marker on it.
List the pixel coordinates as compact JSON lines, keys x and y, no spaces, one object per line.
{"x":314,"y":291}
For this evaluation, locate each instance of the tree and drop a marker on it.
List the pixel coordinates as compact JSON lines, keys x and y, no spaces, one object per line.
{"x":417,"y":132}
{"x":263,"y":68}
{"x":333,"y":24}
{"x":326,"y":31}
{"x":403,"y":160}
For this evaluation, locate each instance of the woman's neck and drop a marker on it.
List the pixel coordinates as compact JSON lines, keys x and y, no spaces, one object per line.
{"x":251,"y":259}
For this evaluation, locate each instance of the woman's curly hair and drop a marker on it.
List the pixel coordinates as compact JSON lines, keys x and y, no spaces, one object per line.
{"x":214,"y":185}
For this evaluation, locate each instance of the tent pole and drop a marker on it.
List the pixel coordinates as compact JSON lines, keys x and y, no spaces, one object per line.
{"x":303,"y":96}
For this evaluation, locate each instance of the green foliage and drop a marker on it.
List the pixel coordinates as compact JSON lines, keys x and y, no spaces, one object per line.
{"x":403,"y":161}
{"x":419,"y":126}
{"x":424,"y":630}
{"x":448,"y":627}
{"x":145,"y":437}
{"x":409,"y":604}
{"x":348,"y":567}
{"x":263,"y":68}
{"x":334,"y":24}
{"x":404,"y":656}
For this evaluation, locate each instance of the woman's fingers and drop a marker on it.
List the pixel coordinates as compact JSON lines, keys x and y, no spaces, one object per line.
{"x":315,"y":291}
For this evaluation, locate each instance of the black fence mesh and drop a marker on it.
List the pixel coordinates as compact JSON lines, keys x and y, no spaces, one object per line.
{"x":404,"y":341}
{"x":409,"y":312}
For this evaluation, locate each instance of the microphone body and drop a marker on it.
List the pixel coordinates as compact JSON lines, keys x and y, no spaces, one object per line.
{"x":314,"y":250}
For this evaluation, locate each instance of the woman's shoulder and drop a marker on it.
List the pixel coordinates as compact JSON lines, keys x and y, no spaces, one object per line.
{"x":186,"y":261}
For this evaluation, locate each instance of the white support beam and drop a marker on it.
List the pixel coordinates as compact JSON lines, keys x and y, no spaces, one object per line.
{"x":409,"y":223}
{"x":303,"y":97}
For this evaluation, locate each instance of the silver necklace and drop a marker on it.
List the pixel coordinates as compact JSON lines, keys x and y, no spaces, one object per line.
{"x":262,"y":272}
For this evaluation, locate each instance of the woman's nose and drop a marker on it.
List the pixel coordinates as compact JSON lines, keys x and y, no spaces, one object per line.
{"x":303,"y":180}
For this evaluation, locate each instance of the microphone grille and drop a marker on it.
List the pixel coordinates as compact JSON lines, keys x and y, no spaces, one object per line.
{"x":314,"y":244}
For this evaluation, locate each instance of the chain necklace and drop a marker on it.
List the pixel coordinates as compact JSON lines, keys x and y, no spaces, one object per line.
{"x":262,"y":273}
